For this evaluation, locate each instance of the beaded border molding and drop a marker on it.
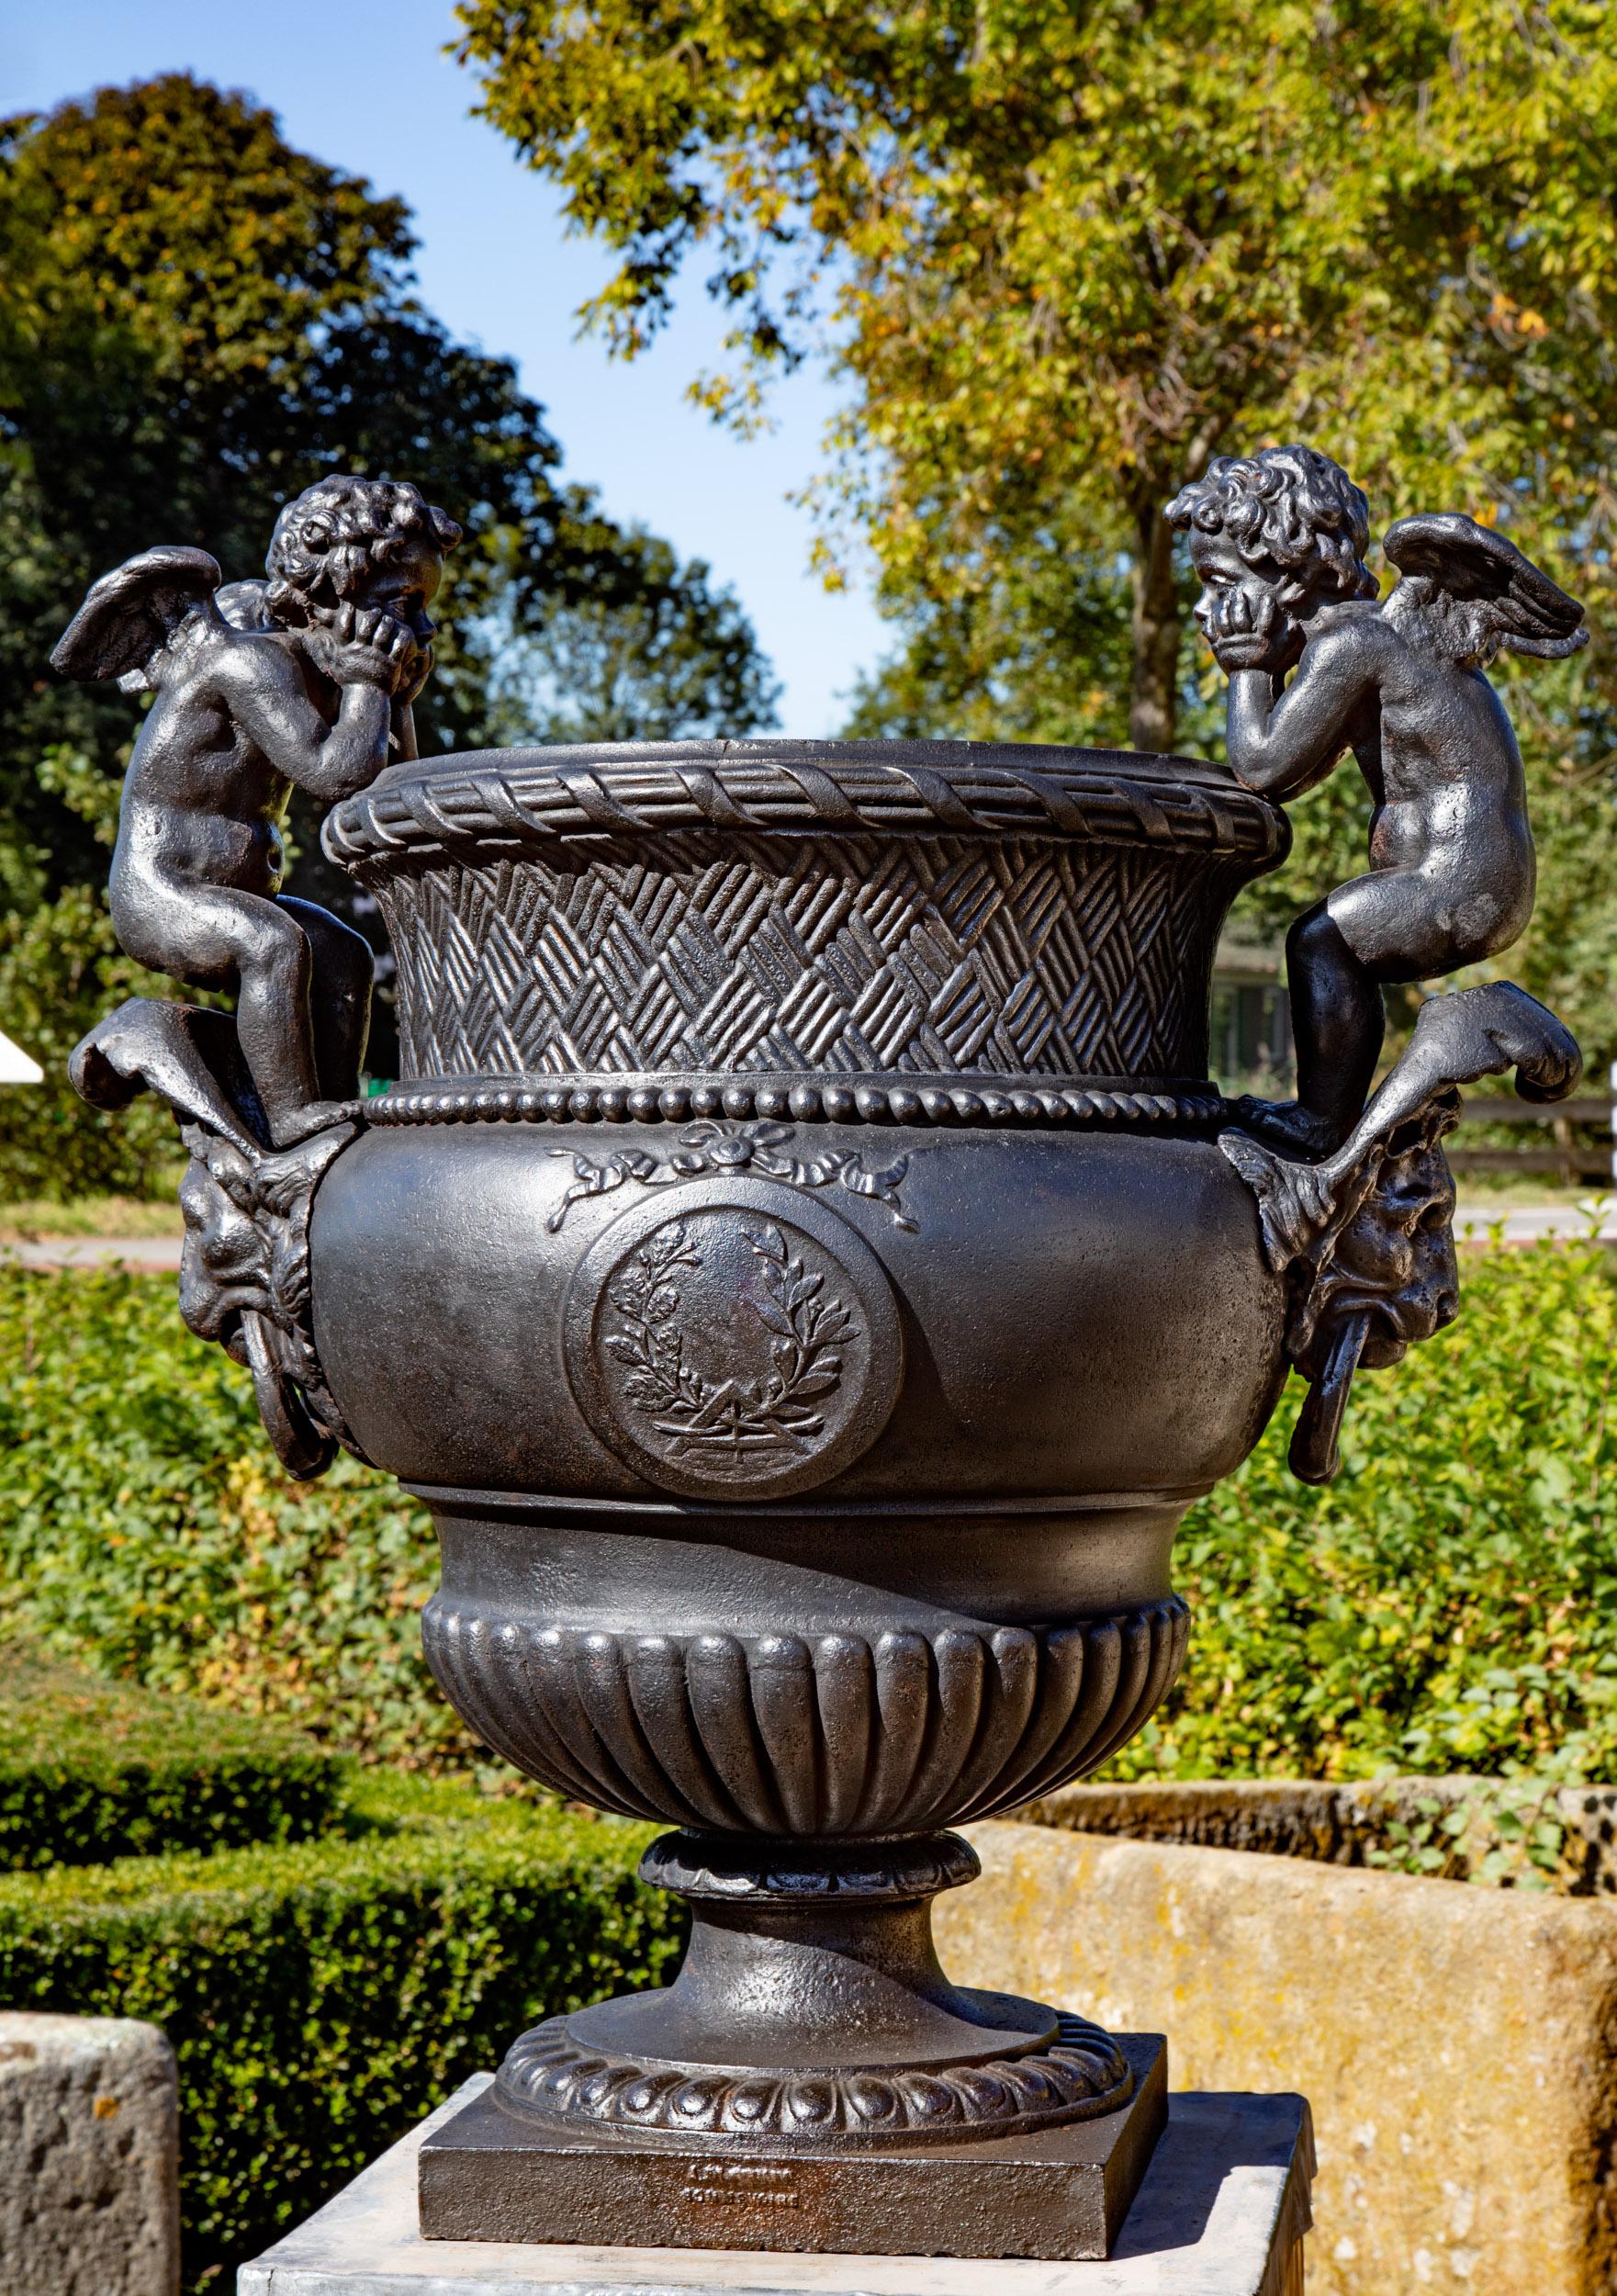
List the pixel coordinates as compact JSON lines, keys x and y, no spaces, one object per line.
{"x":503,"y":800}
{"x":985,"y":1102}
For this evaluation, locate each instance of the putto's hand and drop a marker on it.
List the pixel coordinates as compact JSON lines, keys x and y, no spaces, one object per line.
{"x":373,"y":649}
{"x":1247,"y":628}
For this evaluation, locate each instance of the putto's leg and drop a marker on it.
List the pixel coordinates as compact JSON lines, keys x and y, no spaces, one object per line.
{"x":340,"y":996}
{"x":1339,"y":1020}
{"x":266,"y":949}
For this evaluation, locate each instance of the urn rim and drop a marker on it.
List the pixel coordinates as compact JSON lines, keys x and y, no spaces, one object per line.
{"x":482,"y":802}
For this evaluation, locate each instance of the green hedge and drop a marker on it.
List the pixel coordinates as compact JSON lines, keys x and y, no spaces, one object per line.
{"x":1450,"y":1603}
{"x":321,"y":1997}
{"x":93,"y":1769}
{"x":146,"y":1526}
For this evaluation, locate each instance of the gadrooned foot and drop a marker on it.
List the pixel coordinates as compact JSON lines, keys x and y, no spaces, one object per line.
{"x":811,"y":2015}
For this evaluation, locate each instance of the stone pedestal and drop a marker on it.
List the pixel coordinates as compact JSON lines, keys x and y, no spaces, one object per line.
{"x":1222,"y":2212}
{"x":89,"y":2152}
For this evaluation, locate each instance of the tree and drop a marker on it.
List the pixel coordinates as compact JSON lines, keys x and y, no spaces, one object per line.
{"x":198,"y":320}
{"x":1070,"y":252}
{"x":1064,"y":254}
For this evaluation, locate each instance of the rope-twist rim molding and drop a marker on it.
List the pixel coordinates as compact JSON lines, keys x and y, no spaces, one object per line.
{"x":503,"y":800}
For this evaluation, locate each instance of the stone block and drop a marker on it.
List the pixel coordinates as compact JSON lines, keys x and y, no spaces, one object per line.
{"x":1459,"y":2045}
{"x":1345,"y":1824}
{"x":89,"y":2152}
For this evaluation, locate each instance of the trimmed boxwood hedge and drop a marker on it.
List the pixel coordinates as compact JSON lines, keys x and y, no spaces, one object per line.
{"x":91,"y":1770}
{"x":321,"y":1995}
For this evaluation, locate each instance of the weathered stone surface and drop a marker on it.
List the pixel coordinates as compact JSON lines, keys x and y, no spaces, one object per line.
{"x":1222,"y":2212}
{"x":1341,"y":1825}
{"x":1459,"y":2045}
{"x":89,"y":2148}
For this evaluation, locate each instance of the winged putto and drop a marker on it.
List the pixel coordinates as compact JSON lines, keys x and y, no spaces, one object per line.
{"x":305,"y":679}
{"x":1320,"y":665}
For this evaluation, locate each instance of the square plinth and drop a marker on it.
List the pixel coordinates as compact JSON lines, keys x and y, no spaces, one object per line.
{"x":1058,"y":2193}
{"x":1221,"y":2211}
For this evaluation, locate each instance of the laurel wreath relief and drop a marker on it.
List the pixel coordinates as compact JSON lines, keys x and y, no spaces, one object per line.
{"x":697,"y":1415}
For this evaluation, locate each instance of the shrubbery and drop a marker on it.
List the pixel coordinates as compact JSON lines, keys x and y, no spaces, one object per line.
{"x":321,"y":1996}
{"x":93,"y":1769}
{"x":1451,"y":1603}
{"x":59,"y":972}
{"x":145,"y":1524}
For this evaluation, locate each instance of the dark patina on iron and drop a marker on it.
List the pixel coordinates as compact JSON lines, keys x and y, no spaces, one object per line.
{"x":807,"y":1272}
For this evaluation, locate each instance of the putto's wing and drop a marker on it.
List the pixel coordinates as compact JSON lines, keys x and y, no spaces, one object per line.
{"x":245,"y":605}
{"x":1505,"y":599}
{"x":131,"y":613}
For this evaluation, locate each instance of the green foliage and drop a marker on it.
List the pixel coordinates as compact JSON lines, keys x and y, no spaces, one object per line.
{"x":91,"y":1770}
{"x":145,"y":1522}
{"x":1065,"y":255}
{"x":648,"y":651}
{"x":1510,"y":1836}
{"x":60,"y":970}
{"x":198,"y":320}
{"x":1450,"y":1603}
{"x":321,"y":1997}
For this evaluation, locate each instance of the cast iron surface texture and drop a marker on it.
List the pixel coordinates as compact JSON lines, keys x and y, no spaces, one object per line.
{"x":1319,"y":665}
{"x":1059,"y":2192}
{"x":819,"y":910}
{"x":799,"y":1276}
{"x":805,"y":1267}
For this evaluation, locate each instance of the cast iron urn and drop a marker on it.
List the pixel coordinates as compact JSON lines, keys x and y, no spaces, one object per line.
{"x":796,"y":1269}
{"x":805,"y":1268}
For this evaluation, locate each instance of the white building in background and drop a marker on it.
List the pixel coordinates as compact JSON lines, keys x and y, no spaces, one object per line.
{"x":17,"y":1067}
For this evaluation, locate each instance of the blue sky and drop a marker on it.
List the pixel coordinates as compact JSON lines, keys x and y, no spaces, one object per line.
{"x":369,"y":90}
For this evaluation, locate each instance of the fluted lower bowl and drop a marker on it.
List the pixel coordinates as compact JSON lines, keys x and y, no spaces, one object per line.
{"x":787,"y":1735}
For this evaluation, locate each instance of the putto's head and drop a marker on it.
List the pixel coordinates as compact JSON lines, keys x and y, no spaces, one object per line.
{"x":372,"y":543}
{"x":1289,"y":517}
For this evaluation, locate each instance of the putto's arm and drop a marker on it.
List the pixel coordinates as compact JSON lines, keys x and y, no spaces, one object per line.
{"x":269,"y":700}
{"x":1282,"y":745}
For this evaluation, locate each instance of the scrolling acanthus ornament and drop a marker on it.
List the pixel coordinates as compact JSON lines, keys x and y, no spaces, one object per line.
{"x":718,"y":1148}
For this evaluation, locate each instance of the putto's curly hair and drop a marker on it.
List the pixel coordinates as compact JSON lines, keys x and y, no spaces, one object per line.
{"x":1289,"y":510}
{"x":327,"y":541}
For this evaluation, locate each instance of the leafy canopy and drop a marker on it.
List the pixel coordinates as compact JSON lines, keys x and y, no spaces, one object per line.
{"x":198,"y":321}
{"x":1070,"y":252}
{"x":1063,"y":255}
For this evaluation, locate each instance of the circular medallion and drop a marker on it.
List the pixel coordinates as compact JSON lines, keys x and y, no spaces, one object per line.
{"x":730,"y":1339}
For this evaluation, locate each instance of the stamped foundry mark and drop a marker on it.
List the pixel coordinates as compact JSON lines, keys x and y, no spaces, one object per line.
{"x":739,"y":2184}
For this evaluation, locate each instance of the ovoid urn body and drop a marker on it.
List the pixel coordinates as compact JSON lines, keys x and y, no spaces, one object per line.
{"x":796,"y":1269}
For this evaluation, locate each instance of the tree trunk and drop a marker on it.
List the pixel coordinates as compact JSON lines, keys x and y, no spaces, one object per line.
{"x":1154,"y":704}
